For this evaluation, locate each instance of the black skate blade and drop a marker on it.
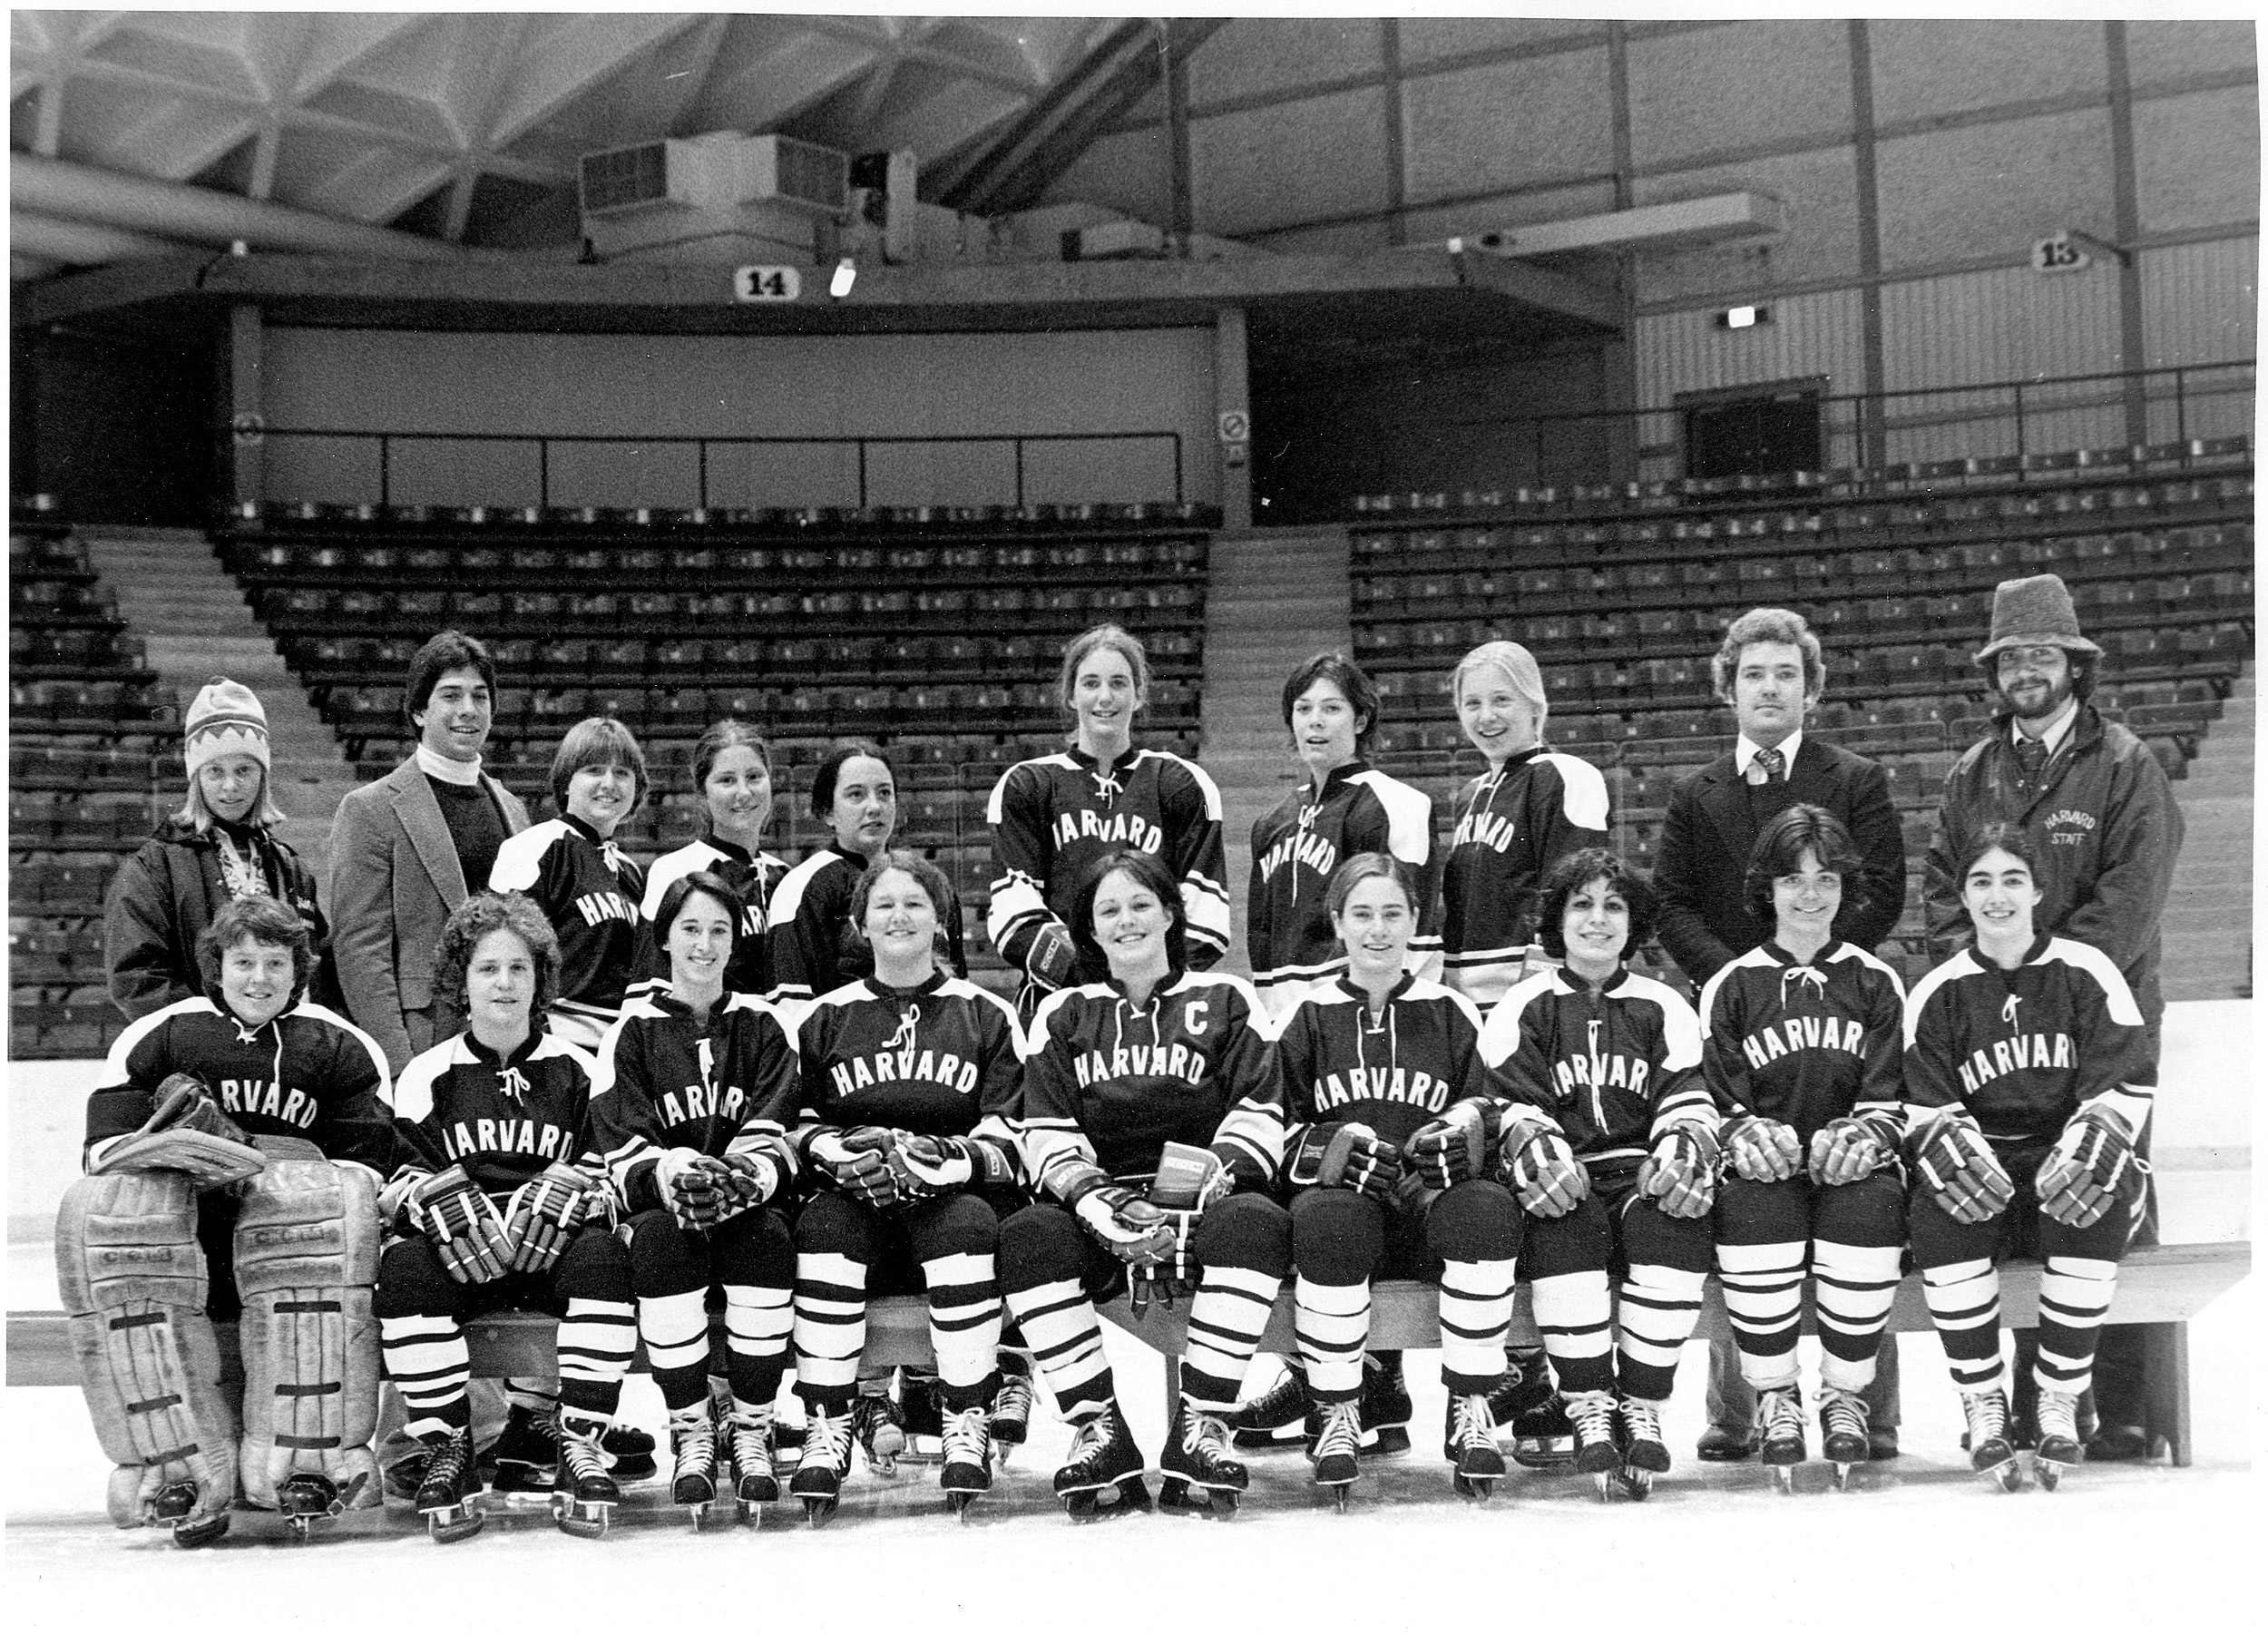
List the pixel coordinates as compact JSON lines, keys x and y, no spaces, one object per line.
{"x":1182,"y":1497}
{"x":1479,"y":1489}
{"x":1110,"y":1499}
{"x":449,"y":1523}
{"x":1544,"y":1453}
{"x":1637,"y":1484}
{"x":2050,"y":1472}
{"x":957,"y":1502}
{"x":817,"y":1508}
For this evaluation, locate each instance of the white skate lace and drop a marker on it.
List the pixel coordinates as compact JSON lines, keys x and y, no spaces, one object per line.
{"x":1644,"y":1421}
{"x":581,"y":1456}
{"x":827,"y":1442}
{"x":1015,"y":1399}
{"x":2059,"y":1413}
{"x":967,"y":1436}
{"x":1474,"y":1425}
{"x":1842,"y":1412}
{"x":1341,"y":1432}
{"x":1592,"y":1414}
{"x":1206,"y":1435}
{"x":1780,"y":1412}
{"x":751,"y":1446}
{"x":1088,"y":1437}
{"x":696,"y":1450}
{"x":1988,"y":1415}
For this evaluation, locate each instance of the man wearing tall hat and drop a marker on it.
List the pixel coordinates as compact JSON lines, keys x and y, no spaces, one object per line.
{"x":2100,"y":814}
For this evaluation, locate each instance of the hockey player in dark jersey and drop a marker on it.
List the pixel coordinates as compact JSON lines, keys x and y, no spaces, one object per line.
{"x":1800,"y":1045}
{"x":1053,"y":816}
{"x":234,"y":1145}
{"x":501,"y":1201}
{"x":1376,"y":1059}
{"x":1153,"y":1054}
{"x":2028,"y":1082}
{"x":812,"y":952}
{"x":589,"y":890}
{"x":1346,"y":807}
{"x":695,"y":1085}
{"x":1531,"y":808}
{"x":1615,"y":1058}
{"x":909,"y":1078}
{"x":732,"y":774}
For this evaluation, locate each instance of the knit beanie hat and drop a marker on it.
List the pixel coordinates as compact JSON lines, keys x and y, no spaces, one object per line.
{"x":226,"y":720}
{"x":2034,"y":612}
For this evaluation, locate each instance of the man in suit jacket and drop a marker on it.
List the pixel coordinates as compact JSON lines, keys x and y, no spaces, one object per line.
{"x":406,"y":850}
{"x":1770,"y":671}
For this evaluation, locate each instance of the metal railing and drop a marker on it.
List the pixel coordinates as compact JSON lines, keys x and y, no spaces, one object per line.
{"x":388,"y":444}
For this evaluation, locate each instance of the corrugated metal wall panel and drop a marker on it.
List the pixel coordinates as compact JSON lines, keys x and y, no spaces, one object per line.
{"x":2004,"y":325}
{"x":2200,"y":303}
{"x":1809,"y":335}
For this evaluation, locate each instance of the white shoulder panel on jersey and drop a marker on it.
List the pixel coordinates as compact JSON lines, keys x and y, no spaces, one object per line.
{"x":1035,"y":1037}
{"x":2099,"y":966}
{"x":1206,"y":786}
{"x":325,"y":1014}
{"x":1852,"y":951}
{"x":685,"y":860}
{"x":746,"y":1002}
{"x":1425,"y":988}
{"x":521,"y":858}
{"x":1409,"y":816}
{"x":961,"y":988}
{"x":1962,"y":964}
{"x":1706,"y":1004}
{"x":550,"y":1044}
{"x":114,"y":1071}
{"x":413,"y":1092}
{"x":1499,"y":1036}
{"x":1223,"y":980}
{"x":1582,"y":790}
{"x":1000,"y":788}
{"x":787,"y":896}
{"x":1681,"y":1030}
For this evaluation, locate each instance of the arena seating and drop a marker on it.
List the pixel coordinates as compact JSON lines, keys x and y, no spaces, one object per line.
{"x":1623,"y":602}
{"x":89,"y":727}
{"x":935,"y":632}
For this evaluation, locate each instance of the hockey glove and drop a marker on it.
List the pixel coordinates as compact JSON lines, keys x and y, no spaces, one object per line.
{"x":1052,"y":956}
{"x":745,"y":1180}
{"x":1350,"y":1155}
{"x":1541,"y":1169}
{"x":186,"y":1132}
{"x":1763,"y":1149}
{"x":462,"y":1225}
{"x":856,"y":1161}
{"x":1458,"y":1146}
{"x":1956,"y":1164}
{"x":925,"y":1166}
{"x":691,"y":1187}
{"x":1680,"y":1173}
{"x":1123,"y":1222}
{"x":1189,"y":1181}
{"x":543,"y":1215}
{"x":2078,"y":1180}
{"x":1844,"y":1150}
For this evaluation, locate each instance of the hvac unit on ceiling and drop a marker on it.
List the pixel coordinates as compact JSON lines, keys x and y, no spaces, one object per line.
{"x":715,"y":171}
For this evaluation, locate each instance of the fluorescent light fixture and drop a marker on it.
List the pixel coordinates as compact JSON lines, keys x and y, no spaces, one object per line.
{"x":846,"y":275}
{"x":1743,"y":318}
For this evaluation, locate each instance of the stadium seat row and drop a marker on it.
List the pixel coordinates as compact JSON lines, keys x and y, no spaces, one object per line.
{"x":746,"y":520}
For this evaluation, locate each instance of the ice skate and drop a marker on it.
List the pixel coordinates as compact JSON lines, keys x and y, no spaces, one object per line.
{"x":1597,"y":1454}
{"x":584,"y":1496}
{"x":1469,"y":1443}
{"x":1645,"y":1456}
{"x":824,"y":1463}
{"x":2059,"y":1445}
{"x":1104,"y":1476}
{"x":967,"y":1470}
{"x":1335,"y":1466}
{"x":1843,"y":1431}
{"x":1990,"y":1455}
{"x":445,"y":1492}
{"x":748,"y":1437}
{"x":1012,"y":1406}
{"x":693,"y":1449}
{"x":1780,"y":1424}
{"x":1199,"y":1479}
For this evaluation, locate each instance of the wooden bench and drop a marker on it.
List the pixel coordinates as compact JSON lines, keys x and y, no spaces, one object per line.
{"x":2160,"y":1288}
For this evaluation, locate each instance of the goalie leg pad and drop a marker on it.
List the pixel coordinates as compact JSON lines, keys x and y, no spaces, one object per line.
{"x":306,"y":1260}
{"x":133,"y":1282}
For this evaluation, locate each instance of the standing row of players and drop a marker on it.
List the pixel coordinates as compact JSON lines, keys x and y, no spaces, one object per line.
{"x":1501,"y":702}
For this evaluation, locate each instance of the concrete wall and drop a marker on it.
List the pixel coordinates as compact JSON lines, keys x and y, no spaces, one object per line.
{"x":1919,"y":161}
{"x":993,"y":387}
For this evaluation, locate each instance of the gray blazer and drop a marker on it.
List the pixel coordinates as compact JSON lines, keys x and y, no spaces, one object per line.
{"x":395,"y":881}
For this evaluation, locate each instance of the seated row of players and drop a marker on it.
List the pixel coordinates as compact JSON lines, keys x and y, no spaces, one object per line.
{"x":1593,"y":1121}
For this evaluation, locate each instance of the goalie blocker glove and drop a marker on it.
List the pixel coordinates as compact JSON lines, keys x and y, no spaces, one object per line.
{"x":1541,"y":1167}
{"x":2078,"y":1180}
{"x":1844,"y":1150}
{"x":1762,"y":1150}
{"x":186,"y":1132}
{"x":1348,"y":1155}
{"x":462,"y":1225}
{"x":1122,"y":1221}
{"x":544,"y":1214}
{"x":1956,"y":1164}
{"x":1681,"y":1172}
{"x":1052,"y":957}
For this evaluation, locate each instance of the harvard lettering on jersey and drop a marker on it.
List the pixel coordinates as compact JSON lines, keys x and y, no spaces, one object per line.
{"x":1054,"y":814}
{"x":505,"y":1119}
{"x":1511,"y":826}
{"x":1396,"y":1071}
{"x":939,"y":1058}
{"x":307,"y":1072}
{"x":755,"y":875}
{"x":812,"y":951}
{"x":723,"y":1084}
{"x":2020,"y":1051}
{"x":1110,"y":1082}
{"x":589,"y":891}
{"x":1615,"y":1065}
{"x":1295,"y":850}
{"x":1807,"y":1043}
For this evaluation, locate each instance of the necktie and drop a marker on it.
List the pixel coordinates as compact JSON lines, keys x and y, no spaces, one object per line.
{"x":1766,"y":767}
{"x":2031,"y":755}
